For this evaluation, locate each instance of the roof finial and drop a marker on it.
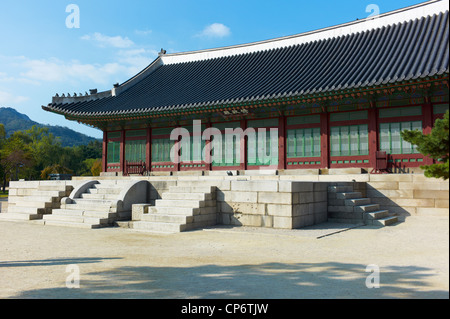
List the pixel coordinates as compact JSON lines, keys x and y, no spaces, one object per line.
{"x":162,"y":52}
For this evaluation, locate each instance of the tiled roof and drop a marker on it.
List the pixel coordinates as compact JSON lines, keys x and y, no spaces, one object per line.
{"x":398,"y":52}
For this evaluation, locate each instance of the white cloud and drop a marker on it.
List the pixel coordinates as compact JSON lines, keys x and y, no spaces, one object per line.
{"x":127,"y":64}
{"x":55,"y":70}
{"x":137,"y":59}
{"x":143,"y":32}
{"x":17,"y":71}
{"x":215,"y":30}
{"x":7,"y":98}
{"x":108,"y":41}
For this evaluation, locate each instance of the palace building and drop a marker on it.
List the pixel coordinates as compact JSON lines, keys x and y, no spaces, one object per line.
{"x":338,"y":97}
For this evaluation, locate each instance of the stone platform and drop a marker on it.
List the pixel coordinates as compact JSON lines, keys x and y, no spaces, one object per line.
{"x":270,"y":199}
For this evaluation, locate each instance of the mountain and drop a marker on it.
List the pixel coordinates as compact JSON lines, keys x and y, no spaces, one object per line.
{"x":15,"y":121}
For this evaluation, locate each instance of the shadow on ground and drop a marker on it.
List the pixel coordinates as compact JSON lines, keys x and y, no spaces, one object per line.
{"x":51,"y":262}
{"x":260,"y":281}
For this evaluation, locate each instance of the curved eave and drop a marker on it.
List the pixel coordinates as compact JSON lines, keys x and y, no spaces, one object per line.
{"x":319,"y":97}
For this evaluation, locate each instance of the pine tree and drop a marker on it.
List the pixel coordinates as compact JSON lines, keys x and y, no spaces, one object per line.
{"x":434,"y":145}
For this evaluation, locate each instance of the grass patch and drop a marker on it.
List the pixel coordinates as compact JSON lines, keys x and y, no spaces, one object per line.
{"x":3,"y":195}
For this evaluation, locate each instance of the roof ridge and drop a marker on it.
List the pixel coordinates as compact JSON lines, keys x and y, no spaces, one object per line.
{"x":389,"y":18}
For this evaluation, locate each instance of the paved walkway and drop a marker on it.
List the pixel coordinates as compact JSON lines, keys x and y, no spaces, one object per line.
{"x":413,"y":259}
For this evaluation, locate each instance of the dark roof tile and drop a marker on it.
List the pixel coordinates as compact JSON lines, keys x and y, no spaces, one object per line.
{"x":399,"y":52}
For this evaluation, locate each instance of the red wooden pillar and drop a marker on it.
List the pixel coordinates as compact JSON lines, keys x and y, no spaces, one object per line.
{"x":105,"y":151}
{"x":373,"y":136}
{"x":177,"y":154}
{"x":324,"y":141}
{"x":244,"y":139}
{"x":282,"y":142}
{"x":122,"y":152}
{"x":148,"y":150}
{"x":208,"y":164}
{"x":427,"y":124}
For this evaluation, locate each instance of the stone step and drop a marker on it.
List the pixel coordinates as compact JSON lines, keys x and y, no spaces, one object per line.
{"x":27,"y":210}
{"x":97,"y":196}
{"x":192,"y":189}
{"x":377,"y":214}
{"x":85,"y":213}
{"x":159,"y":227}
{"x":29,"y":203}
{"x":174,"y":211}
{"x":179,"y":203}
{"x":340,"y":189}
{"x":52,"y":193}
{"x":72,"y":224}
{"x":108,"y":186}
{"x":104,"y":190}
{"x":78,"y":219}
{"x":20,"y":216}
{"x":86,"y":206}
{"x":349,"y":195}
{"x":54,"y":188}
{"x":187,"y":196}
{"x":166,"y":218}
{"x":366,"y":208}
{"x":85,"y":201}
{"x":386,"y":221}
{"x":31,"y":198}
{"x":357,"y":202}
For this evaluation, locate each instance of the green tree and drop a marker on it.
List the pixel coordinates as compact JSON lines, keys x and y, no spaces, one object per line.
{"x":55,"y":169}
{"x":434,"y":145}
{"x":2,"y":140}
{"x":96,"y":168}
{"x":15,"y":156}
{"x":44,"y":147}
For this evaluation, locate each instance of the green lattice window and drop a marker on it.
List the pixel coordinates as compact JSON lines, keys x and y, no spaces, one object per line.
{"x":303,"y":143}
{"x":161,"y":148}
{"x":135,"y":150}
{"x":390,"y":138}
{"x":192,"y":149}
{"x":113,"y":152}
{"x":231,"y":146}
{"x":262,"y":148}
{"x":352,"y":140}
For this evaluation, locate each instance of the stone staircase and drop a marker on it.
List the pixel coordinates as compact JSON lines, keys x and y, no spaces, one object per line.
{"x":34,"y":200}
{"x":97,"y":206}
{"x":348,"y":206}
{"x":180,"y":209}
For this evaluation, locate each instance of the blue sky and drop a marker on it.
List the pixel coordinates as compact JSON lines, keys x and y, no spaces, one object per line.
{"x":40,"y":56}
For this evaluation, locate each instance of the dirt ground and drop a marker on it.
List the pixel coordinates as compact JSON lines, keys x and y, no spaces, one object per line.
{"x":239,"y":263}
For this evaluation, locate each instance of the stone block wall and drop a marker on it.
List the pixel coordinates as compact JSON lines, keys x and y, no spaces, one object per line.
{"x":410,"y":194}
{"x":294,"y":201}
{"x":272,"y":203}
{"x":3,"y":206}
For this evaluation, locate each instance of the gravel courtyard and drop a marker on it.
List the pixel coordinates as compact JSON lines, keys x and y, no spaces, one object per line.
{"x":324,"y":262}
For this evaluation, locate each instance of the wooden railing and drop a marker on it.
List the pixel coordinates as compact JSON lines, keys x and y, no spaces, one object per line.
{"x":135,"y":168}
